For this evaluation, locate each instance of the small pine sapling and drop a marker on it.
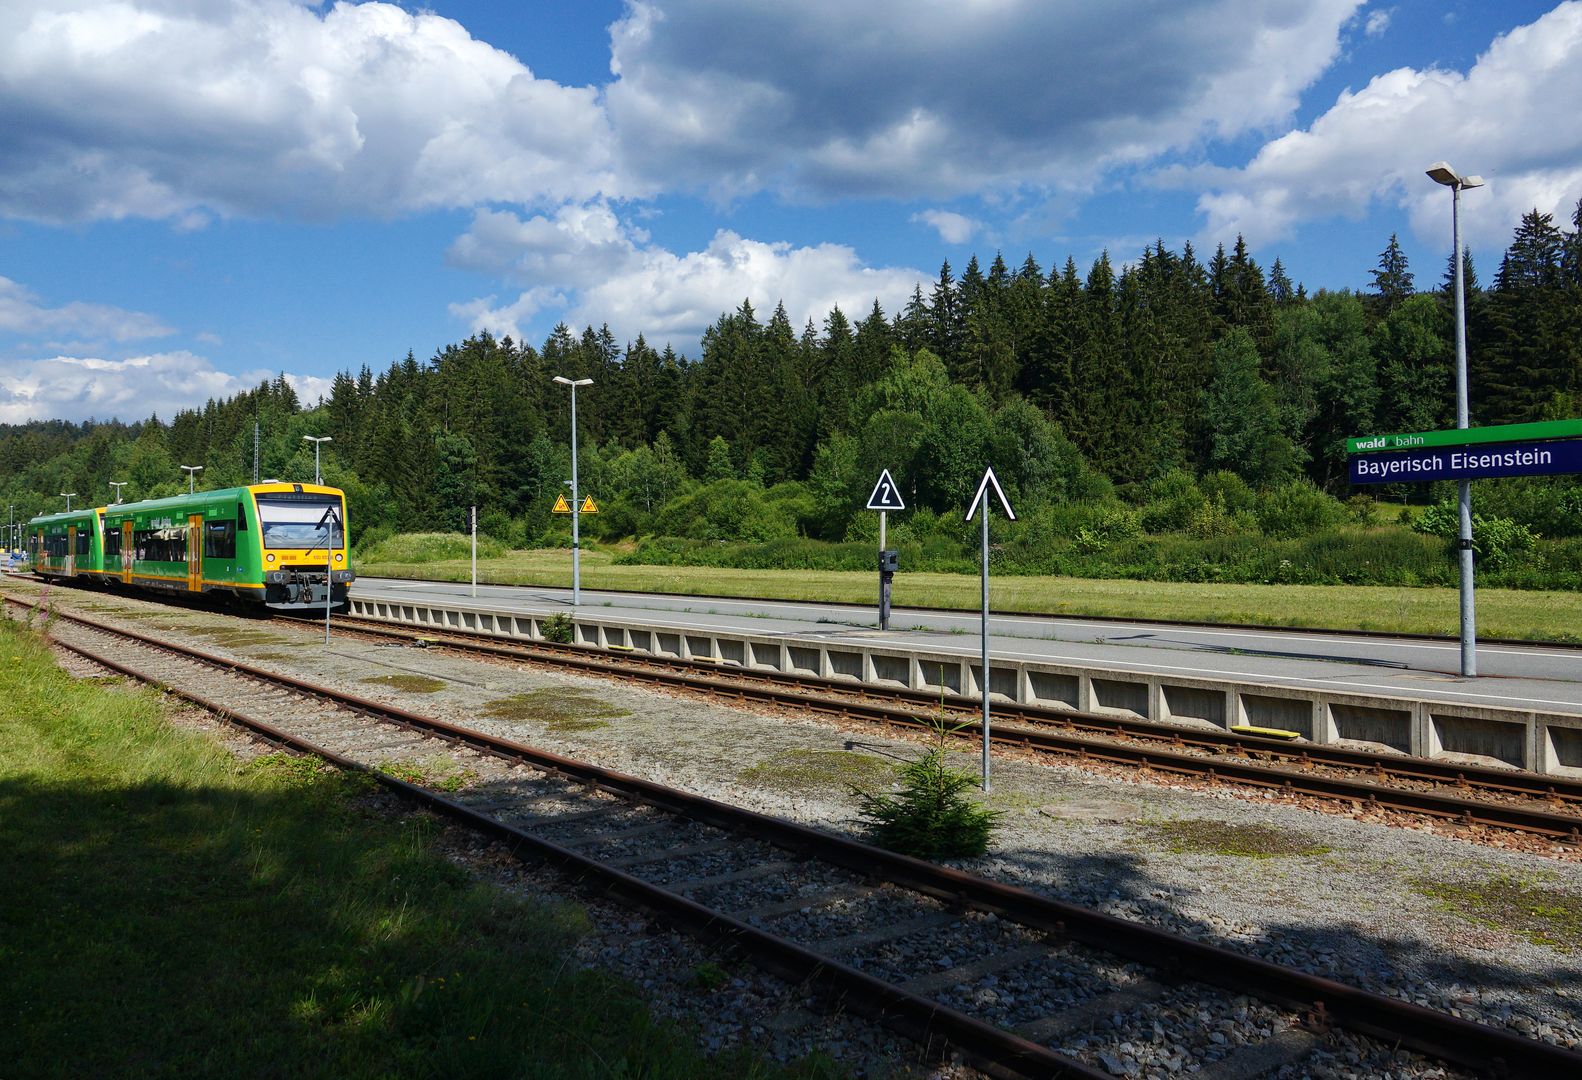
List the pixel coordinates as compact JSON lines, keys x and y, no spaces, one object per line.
{"x":931,"y":816}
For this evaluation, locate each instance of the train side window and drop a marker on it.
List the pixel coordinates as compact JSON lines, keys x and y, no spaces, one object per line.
{"x":241,"y":518}
{"x":219,"y":540}
{"x":161,"y":545}
{"x":84,"y":542}
{"x":112,"y":542}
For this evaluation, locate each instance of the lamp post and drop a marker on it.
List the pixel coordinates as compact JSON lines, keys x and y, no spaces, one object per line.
{"x":192,"y":472}
{"x":1441,"y":173}
{"x":68,"y":496}
{"x":118,"y":485}
{"x":317,"y":441}
{"x":576,"y":508}
{"x":10,"y":527}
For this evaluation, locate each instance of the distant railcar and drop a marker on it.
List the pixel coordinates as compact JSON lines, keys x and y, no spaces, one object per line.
{"x":280,"y":545}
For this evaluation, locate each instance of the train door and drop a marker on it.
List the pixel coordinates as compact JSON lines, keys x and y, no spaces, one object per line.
{"x":126,"y":551}
{"x":195,"y":552}
{"x":71,"y":550}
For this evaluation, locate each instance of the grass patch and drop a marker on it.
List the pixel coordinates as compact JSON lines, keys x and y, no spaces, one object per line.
{"x":820,"y":772}
{"x":1502,"y":613}
{"x":239,"y":639}
{"x":1189,"y":836}
{"x":557,"y":708}
{"x":431,"y":547}
{"x":166,"y":911}
{"x":1538,"y":913}
{"x":439,"y":773}
{"x":408,"y":684}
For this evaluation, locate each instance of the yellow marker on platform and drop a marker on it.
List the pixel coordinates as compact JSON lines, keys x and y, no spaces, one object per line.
{"x":1266,"y":732}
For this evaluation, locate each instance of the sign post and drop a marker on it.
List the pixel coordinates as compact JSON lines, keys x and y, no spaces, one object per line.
{"x":884,"y":498}
{"x":328,"y":523}
{"x":982,"y":499}
{"x":474,"y":516}
{"x":1548,"y":448}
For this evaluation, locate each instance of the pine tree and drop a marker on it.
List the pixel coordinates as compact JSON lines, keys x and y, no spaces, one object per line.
{"x":944,"y":317}
{"x":1242,"y":417}
{"x":1392,"y":281}
{"x":1523,"y":365}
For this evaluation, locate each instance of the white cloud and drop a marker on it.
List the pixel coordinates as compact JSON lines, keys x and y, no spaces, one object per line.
{"x":21,"y":313}
{"x":953,"y":228}
{"x":598,"y":269}
{"x":826,"y":98}
{"x":183,"y":111}
{"x":77,"y":388}
{"x":147,"y":108}
{"x":1377,"y":22}
{"x":1511,"y":118}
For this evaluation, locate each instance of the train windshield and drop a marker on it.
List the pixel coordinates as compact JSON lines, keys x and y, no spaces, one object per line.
{"x":299,"y":521}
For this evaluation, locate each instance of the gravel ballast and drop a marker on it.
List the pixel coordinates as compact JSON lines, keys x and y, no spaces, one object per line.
{"x":1487,"y":933}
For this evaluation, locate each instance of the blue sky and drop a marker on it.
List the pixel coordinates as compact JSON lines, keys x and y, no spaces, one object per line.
{"x":196,"y":194}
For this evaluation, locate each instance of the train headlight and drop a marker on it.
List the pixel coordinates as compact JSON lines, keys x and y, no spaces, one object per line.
{"x":269,"y":558}
{"x":340,"y":558}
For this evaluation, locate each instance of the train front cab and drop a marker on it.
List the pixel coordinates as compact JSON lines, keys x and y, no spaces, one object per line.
{"x":301,"y":538}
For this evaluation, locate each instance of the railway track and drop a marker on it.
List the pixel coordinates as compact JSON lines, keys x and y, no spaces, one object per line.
{"x":866,"y":925}
{"x":1532,"y":803}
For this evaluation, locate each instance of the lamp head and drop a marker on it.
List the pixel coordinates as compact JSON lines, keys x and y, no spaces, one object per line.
{"x":1440,"y":172}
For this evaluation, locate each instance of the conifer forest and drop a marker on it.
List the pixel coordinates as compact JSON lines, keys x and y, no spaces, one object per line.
{"x":1172,"y":417}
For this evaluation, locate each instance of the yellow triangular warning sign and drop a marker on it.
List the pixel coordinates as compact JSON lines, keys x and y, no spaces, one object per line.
{"x":562,"y":506}
{"x":589,"y":506}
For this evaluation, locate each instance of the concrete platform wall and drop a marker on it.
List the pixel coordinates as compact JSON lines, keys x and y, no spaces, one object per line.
{"x":1542,"y":742}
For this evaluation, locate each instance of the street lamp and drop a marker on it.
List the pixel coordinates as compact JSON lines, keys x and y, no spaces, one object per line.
{"x":118,"y":485}
{"x":317,"y":441}
{"x":576,"y":508}
{"x":1441,"y":173}
{"x":68,"y":496}
{"x":192,"y":472}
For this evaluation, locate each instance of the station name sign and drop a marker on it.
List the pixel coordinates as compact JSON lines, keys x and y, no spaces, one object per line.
{"x":1466,"y":462}
{"x":1500,"y":433}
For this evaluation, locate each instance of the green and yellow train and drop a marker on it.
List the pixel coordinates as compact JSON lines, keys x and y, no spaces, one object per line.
{"x":277,"y":544}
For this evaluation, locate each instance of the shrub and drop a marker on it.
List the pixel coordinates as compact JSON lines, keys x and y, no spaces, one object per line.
{"x":1548,"y":505}
{"x":432,"y":547}
{"x":1172,"y":500}
{"x":557,"y":628}
{"x":371,"y":538}
{"x":931,"y":817}
{"x":1229,"y":489}
{"x":1497,"y":541}
{"x":1214,"y":519}
{"x":1297,"y":509}
{"x":727,"y":510}
{"x":1362,"y":509}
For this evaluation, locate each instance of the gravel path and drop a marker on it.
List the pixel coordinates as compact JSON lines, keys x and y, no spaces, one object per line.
{"x":1494,"y":935}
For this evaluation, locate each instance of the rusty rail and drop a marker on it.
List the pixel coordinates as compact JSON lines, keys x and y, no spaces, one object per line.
{"x":1437,"y":1034}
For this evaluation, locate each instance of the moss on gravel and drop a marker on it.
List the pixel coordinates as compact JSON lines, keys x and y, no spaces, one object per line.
{"x":1539,"y":913}
{"x":408,"y":684}
{"x":1190,"y":836}
{"x":564,"y":709}
{"x":820,"y":771}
